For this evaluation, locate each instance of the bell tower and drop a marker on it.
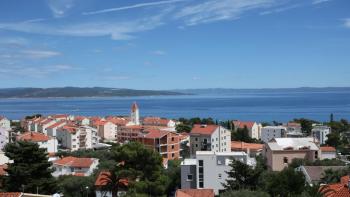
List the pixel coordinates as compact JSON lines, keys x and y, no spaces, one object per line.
{"x":134,"y":115}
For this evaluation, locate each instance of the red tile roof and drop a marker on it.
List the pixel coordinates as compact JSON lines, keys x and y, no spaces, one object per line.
{"x":10,"y":194}
{"x":241,"y":124}
{"x":118,"y":120}
{"x":155,"y":121}
{"x":338,"y":189}
{"x":75,"y":162}
{"x":238,"y":145}
{"x":194,"y":193}
{"x":327,"y":149}
{"x":57,"y":124}
{"x":204,"y":129}
{"x":33,"y":137}
{"x":155,"y":133}
{"x":101,"y":180}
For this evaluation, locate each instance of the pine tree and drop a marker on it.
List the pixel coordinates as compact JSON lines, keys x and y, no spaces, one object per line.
{"x":30,"y":170}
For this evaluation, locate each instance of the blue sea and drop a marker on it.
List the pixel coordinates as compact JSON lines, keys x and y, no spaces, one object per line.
{"x":258,"y":106}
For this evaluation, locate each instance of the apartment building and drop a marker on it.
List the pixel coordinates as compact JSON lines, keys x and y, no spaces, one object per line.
{"x":75,"y":137}
{"x":270,"y":132}
{"x":320,"y":132}
{"x":279,"y":152}
{"x":209,"y":138}
{"x":5,"y":123}
{"x":106,"y":130}
{"x":74,"y":166}
{"x":44,"y":141}
{"x":208,"y":169}
{"x":4,"y":137}
{"x":52,"y":129}
{"x":254,"y":129}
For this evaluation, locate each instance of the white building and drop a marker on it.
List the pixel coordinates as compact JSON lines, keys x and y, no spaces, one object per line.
{"x":75,"y":137}
{"x":210,"y":138}
{"x":328,"y":152}
{"x":4,"y":137}
{"x":44,"y":141}
{"x":52,"y":129}
{"x":320,"y":132}
{"x":106,"y":130}
{"x":208,"y":169}
{"x":5,"y":123}
{"x":134,"y":115}
{"x":74,"y":166}
{"x":270,"y":132}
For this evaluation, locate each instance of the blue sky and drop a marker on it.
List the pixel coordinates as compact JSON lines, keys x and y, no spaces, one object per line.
{"x":171,"y":44}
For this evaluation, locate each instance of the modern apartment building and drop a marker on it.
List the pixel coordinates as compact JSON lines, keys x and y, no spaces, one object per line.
{"x":270,"y":132}
{"x":320,"y":132}
{"x":208,"y":169}
{"x":209,"y":138}
{"x":75,"y":137}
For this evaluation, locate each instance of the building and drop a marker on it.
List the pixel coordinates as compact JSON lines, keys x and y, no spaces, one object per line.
{"x":52,"y":129}
{"x":320,"y":132}
{"x":252,"y":149}
{"x":4,"y":137}
{"x":157,"y":121}
{"x":134,"y":115}
{"x":341,"y":189}
{"x":82,"y":120}
{"x":106,"y":130}
{"x":208,"y":169}
{"x":74,"y":166}
{"x":44,"y":141}
{"x":314,"y":174}
{"x":101,"y":181}
{"x":76,"y":137}
{"x":280,"y":152}
{"x":167,"y":143}
{"x":209,"y":138}
{"x":194,"y":193}
{"x":253,"y":128}
{"x":328,"y":152}
{"x":5,"y":123}
{"x":270,"y":132}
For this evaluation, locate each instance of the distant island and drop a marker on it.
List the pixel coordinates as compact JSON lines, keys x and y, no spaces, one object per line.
{"x":70,"y":92}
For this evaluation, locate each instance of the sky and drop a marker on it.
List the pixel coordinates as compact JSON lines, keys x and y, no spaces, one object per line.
{"x":173,"y":44}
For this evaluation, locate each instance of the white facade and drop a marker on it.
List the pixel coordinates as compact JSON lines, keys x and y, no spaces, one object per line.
{"x":270,"y":132}
{"x":134,"y":115}
{"x":5,"y":123}
{"x":208,"y":169}
{"x":70,"y":168}
{"x":107,"y":131}
{"x":50,"y":145}
{"x":320,"y":132}
{"x":75,"y":138}
{"x":4,"y":137}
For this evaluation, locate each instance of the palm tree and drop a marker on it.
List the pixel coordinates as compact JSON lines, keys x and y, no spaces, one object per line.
{"x":114,"y":180}
{"x":319,"y":190}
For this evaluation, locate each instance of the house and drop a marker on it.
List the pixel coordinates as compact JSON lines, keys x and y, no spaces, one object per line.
{"x":209,"y":138}
{"x":320,"y":132}
{"x":270,"y":132}
{"x":157,"y":121}
{"x":4,"y":137}
{"x":194,"y":193}
{"x":52,"y":129}
{"x":253,"y":128}
{"x":167,"y":143}
{"x":280,"y":152}
{"x":341,"y":189}
{"x":44,"y":141}
{"x":74,"y":166}
{"x":76,"y":137}
{"x":101,"y":181}
{"x":208,"y":169}
{"x":314,"y":174}
{"x":252,"y":149}
{"x":43,"y":124}
{"x":5,"y":123}
{"x":328,"y":152}
{"x":106,"y":130}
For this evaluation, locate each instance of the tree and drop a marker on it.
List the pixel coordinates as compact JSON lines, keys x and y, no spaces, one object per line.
{"x":115,"y":179}
{"x":331,"y":118}
{"x":316,"y":191}
{"x":333,"y":139}
{"x":72,"y":186}
{"x":142,"y":167}
{"x":333,"y":176}
{"x":244,"y":193}
{"x":174,"y":174}
{"x":241,"y":176}
{"x":241,"y":134}
{"x":30,"y":170}
{"x":183,"y":128}
{"x":306,"y":124}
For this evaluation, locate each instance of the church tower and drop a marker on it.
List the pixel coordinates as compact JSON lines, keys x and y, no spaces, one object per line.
{"x":135,"y":116}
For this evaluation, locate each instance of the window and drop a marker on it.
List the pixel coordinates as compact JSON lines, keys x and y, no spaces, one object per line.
{"x":219,"y":162}
{"x":316,"y":154}
{"x":172,"y":139}
{"x":196,"y":145}
{"x":172,"y":155}
{"x":285,"y":159}
{"x":172,"y":146}
{"x":220,"y":176}
{"x":196,"y":139}
{"x":216,"y":139}
{"x":189,"y":177}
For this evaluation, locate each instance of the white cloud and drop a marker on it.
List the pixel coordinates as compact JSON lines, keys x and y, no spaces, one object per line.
{"x":281,"y":9}
{"x":217,"y":10}
{"x":158,"y":52}
{"x":122,"y":30}
{"x":140,"y":5}
{"x":39,"y":54}
{"x":35,"y":71}
{"x":347,"y":23}
{"x":319,"y":1}
{"x":195,"y":78}
{"x":59,"y":8}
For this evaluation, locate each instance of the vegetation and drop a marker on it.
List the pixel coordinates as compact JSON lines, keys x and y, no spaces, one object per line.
{"x":30,"y":170}
{"x":244,"y":193}
{"x":306,"y":124}
{"x":242,"y":134}
{"x":72,"y":186}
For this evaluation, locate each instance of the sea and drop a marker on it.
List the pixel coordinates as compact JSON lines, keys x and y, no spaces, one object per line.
{"x":261,"y":106}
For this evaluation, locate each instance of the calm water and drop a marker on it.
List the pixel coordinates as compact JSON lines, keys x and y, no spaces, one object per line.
{"x":281,"y":106}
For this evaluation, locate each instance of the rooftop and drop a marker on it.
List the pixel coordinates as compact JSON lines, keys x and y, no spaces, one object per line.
{"x":328,"y":149}
{"x":204,"y":129}
{"x":238,"y":145}
{"x":75,"y":162}
{"x":33,"y":137}
{"x":194,"y":193}
{"x":293,"y":144}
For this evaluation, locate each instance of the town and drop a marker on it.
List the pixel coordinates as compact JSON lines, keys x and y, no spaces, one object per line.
{"x":110,"y":156}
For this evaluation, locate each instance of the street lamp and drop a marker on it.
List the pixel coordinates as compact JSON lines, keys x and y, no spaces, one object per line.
{"x":87,"y":191}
